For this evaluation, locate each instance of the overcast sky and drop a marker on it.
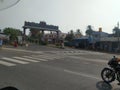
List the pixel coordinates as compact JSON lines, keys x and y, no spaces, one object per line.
{"x":67,"y":14}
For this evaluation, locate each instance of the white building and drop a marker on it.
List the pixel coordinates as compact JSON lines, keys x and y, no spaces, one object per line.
{"x":3,"y":36}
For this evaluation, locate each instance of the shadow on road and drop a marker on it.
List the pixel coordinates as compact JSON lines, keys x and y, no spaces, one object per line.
{"x":101,"y":85}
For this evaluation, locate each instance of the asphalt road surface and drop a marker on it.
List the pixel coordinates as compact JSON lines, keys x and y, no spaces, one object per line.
{"x":47,"y":68}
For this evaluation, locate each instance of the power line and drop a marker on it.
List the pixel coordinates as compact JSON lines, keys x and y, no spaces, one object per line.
{"x":10,"y":5}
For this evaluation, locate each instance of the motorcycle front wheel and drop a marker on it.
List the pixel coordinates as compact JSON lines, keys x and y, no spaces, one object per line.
{"x":108,"y":75}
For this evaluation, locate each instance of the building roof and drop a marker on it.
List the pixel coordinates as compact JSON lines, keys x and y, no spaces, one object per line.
{"x":2,"y":35}
{"x":97,"y":32}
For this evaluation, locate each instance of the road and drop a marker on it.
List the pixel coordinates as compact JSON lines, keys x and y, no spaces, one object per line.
{"x":48,"y":68}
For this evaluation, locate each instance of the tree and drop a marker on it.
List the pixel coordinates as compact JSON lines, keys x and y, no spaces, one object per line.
{"x":70,"y":36}
{"x":89,"y":30}
{"x":78,"y":33}
{"x":116,"y":32}
{"x":12,"y":32}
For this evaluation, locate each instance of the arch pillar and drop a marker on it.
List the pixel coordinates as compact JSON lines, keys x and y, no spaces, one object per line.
{"x":24,"y":34}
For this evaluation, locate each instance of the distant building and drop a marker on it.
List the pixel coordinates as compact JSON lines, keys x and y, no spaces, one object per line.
{"x":93,"y":40}
{"x":3,"y":36}
{"x":97,"y":35}
{"x":106,"y":42}
{"x":51,"y":37}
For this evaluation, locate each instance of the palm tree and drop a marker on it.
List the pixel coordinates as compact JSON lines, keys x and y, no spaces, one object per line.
{"x":89,"y":30}
{"x":70,"y":36}
{"x":116,"y":32}
{"x":71,"y":32}
{"x":78,"y":33}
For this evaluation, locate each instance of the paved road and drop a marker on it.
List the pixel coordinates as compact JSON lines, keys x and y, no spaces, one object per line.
{"x":46,"y":68}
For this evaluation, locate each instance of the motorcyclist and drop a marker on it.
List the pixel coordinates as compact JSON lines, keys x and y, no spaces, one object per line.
{"x":118,"y":65}
{"x":118,"y":59}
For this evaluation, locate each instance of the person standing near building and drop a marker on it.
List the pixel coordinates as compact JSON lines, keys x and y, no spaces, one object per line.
{"x":15,"y":43}
{"x":62,"y":44}
{"x":1,"y":43}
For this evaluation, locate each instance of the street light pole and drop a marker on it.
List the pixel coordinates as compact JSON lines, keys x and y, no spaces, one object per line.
{"x":118,"y":37}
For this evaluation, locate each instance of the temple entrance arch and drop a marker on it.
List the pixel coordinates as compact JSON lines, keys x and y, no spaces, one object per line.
{"x":36,"y":28}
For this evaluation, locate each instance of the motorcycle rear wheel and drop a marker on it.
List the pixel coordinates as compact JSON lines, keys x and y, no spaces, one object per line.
{"x":108,"y":75}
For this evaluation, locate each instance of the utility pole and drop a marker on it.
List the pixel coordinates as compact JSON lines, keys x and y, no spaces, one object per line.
{"x":118,"y":37}
{"x":118,"y":25}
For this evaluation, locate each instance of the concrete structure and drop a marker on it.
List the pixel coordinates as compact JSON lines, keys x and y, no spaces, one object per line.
{"x":37,"y":27}
{"x":51,"y":37}
{"x":97,"y":35}
{"x":111,"y":44}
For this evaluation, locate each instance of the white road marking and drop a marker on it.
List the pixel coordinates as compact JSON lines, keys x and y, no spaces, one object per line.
{"x":21,"y":50}
{"x":14,"y":60}
{"x":88,"y":59}
{"x":45,"y":57}
{"x":7,"y":63}
{"x":35,"y":58}
{"x":76,"y":52}
{"x":82,"y":74}
{"x":26,"y":59}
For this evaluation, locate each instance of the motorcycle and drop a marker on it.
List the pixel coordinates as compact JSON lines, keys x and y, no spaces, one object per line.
{"x":113,"y":72}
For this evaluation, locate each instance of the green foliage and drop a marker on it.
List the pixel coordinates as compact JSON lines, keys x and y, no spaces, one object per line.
{"x":57,"y":44}
{"x":70,"y":36}
{"x":12,"y":32}
{"x":43,"y":43}
{"x":78,"y":32}
{"x":35,"y":34}
{"x":116,"y":32}
{"x":89,"y":30}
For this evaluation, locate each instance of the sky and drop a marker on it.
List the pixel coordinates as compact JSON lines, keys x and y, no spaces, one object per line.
{"x":67,"y":14}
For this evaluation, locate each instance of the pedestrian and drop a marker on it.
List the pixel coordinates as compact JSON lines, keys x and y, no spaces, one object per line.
{"x":62,"y":44}
{"x":15,"y":43}
{"x":26,"y":44}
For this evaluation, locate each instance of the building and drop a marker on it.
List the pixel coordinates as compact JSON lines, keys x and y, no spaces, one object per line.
{"x":51,"y":37}
{"x":111,"y":44}
{"x":3,"y":36}
{"x":97,"y":35}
